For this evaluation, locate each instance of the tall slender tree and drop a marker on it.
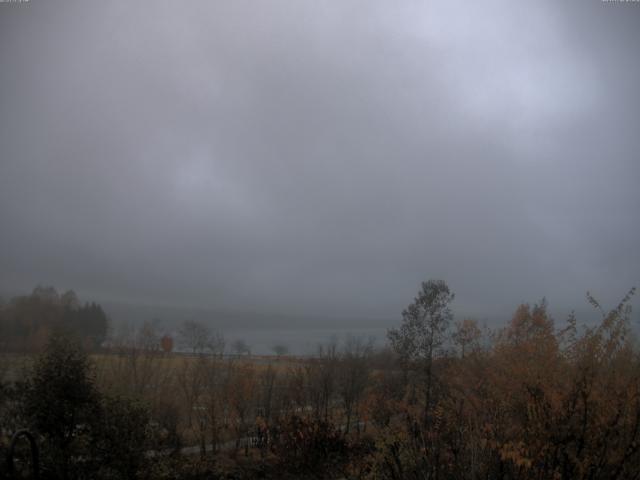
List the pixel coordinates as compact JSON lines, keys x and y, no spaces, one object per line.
{"x":421,"y":335}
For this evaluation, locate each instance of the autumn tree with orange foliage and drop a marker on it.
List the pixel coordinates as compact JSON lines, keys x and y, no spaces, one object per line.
{"x":539,"y":403}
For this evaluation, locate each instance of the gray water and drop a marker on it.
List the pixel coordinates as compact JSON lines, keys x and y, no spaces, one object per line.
{"x":298,"y":341}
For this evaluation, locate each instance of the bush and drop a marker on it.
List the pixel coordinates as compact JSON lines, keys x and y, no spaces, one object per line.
{"x":83,"y":433}
{"x":308,"y":446}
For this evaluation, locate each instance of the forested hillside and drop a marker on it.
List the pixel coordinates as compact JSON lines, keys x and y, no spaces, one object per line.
{"x":26,"y":322}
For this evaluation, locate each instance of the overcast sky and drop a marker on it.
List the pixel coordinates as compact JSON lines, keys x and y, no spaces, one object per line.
{"x":321,"y":157}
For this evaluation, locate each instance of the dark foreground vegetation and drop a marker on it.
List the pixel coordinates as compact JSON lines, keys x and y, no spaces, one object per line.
{"x":448,"y":400}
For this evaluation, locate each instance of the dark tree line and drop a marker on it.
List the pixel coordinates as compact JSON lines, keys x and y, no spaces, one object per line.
{"x":26,"y":322}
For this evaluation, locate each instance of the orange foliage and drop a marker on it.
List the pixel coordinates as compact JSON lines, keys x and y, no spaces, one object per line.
{"x":538,"y":404}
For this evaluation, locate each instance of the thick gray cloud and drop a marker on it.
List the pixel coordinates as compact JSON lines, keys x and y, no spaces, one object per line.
{"x":320,"y":157}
